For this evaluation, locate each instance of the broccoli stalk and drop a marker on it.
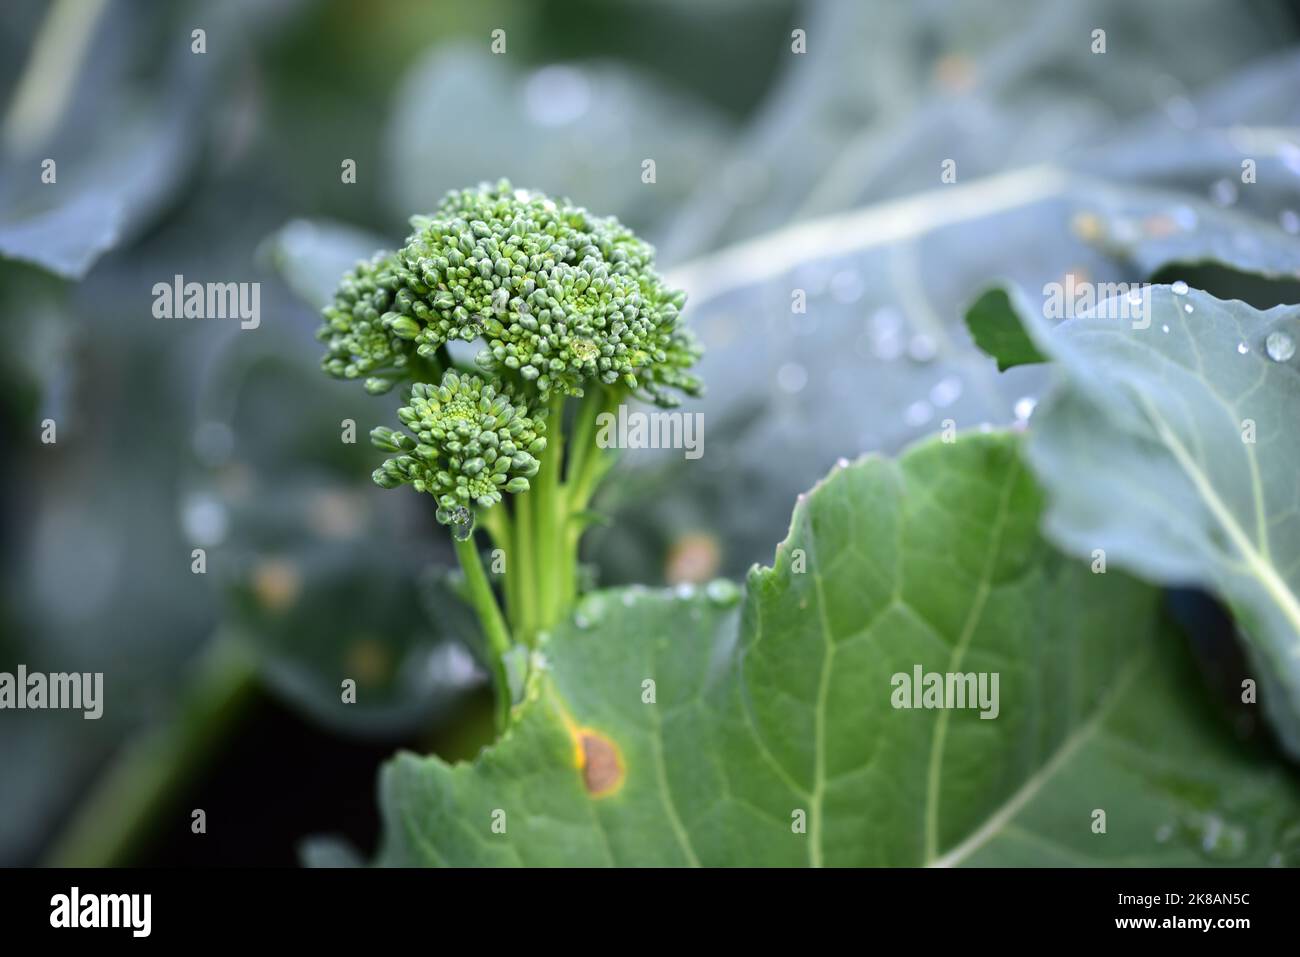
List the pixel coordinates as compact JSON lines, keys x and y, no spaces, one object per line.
{"x":572,"y":321}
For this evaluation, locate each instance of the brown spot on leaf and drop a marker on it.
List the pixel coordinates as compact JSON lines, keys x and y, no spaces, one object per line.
{"x":602,"y":765}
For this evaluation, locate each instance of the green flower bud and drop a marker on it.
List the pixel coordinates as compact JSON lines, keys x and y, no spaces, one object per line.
{"x":464,"y":426}
{"x":558,"y":296}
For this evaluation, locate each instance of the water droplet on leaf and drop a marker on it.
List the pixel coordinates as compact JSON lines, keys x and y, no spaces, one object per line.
{"x":1280,"y":346}
{"x":1215,"y":837}
{"x":917,"y":414}
{"x":922,"y":348}
{"x":1223,"y":192}
{"x":591,"y":610}
{"x":722,"y":592}
{"x":946,"y":391}
{"x":791,"y":377}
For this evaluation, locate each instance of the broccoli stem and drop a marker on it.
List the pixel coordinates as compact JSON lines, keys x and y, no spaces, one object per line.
{"x":499,"y":528}
{"x":542,"y":538}
{"x":549,"y":554}
{"x":490,"y":619}
{"x":523,"y":567}
{"x":587,"y":464}
{"x":593,"y":466}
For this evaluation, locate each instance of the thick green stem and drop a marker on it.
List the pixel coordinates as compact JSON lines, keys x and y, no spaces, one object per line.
{"x":549,"y":541}
{"x":541,"y":581}
{"x":522,"y":566}
{"x":583,"y":441}
{"x":499,"y":528}
{"x":490,"y":619}
{"x":114,"y":820}
{"x":587,"y":461}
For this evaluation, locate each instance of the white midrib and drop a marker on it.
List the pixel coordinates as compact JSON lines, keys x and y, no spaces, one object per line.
{"x":1034,"y":783}
{"x":819,"y":728}
{"x":670,"y":805}
{"x":882,"y":224}
{"x":934,"y":775}
{"x":1258,"y":564}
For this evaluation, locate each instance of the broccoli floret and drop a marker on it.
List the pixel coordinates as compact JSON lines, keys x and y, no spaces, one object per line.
{"x":560,"y":299}
{"x":471,"y":442}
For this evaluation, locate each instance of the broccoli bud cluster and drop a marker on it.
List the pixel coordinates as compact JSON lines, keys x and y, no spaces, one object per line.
{"x":471,"y":442}
{"x":558,"y":297}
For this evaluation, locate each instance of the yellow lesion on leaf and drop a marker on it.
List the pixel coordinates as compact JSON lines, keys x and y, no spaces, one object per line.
{"x":598,"y":758}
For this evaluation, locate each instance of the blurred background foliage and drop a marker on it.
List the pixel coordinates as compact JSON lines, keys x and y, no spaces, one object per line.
{"x":225,"y":166}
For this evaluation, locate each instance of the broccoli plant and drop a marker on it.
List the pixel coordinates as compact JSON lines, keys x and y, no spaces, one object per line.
{"x":936,"y":668}
{"x":571,"y":320}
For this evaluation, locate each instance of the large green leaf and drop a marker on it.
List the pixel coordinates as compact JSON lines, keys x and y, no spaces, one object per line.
{"x":784,"y":706}
{"x":1185,"y":431}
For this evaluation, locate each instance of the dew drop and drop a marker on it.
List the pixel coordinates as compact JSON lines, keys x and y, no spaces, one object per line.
{"x":917,"y":414}
{"x":922,"y":348}
{"x":590,"y":612}
{"x":1187,"y":307}
{"x":1223,"y":192}
{"x":847,"y":286}
{"x":722,"y":592}
{"x":1185,"y":217}
{"x":1290,"y":155}
{"x":1180,"y":288}
{"x":1024,"y":408}
{"x":791,"y":377}
{"x":1125,"y":232}
{"x":557,"y":96}
{"x":946,"y":391}
{"x":1279,"y":345}
{"x":1219,"y":840}
{"x":684,"y":590}
{"x":1242,"y":348}
{"x":462,"y":523}
{"x":205,"y":519}
{"x":885,"y":333}
{"x":1165,"y":328}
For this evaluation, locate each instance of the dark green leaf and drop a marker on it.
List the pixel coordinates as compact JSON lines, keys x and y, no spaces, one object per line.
{"x":780,"y":712}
